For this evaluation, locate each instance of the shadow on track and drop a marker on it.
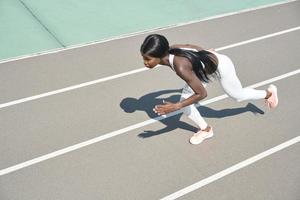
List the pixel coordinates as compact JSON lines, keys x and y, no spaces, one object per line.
{"x":147,"y":102}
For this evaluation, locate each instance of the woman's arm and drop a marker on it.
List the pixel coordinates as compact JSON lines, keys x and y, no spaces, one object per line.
{"x":184,"y":70}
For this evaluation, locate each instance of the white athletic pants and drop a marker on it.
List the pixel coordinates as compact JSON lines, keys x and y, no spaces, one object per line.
{"x":231,"y":85}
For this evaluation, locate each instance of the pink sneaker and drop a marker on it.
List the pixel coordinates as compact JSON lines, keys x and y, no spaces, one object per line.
{"x":198,"y":137}
{"x":272,"y":101}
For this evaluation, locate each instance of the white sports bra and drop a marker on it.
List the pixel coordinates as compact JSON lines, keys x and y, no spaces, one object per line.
{"x":171,"y":58}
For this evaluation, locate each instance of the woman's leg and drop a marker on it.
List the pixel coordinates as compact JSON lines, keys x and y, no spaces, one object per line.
{"x":191,"y":111}
{"x":232,"y":85}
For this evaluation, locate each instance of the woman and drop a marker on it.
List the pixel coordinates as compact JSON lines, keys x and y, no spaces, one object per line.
{"x":196,"y":67}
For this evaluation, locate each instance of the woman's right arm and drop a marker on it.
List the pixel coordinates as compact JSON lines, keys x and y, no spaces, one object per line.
{"x":185,"y":72}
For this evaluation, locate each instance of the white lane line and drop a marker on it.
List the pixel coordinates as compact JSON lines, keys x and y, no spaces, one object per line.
{"x":52,"y":51}
{"x":258,"y":38}
{"x":31,"y":98}
{"x":67,"y":89}
{"x":231,"y":169}
{"x":127,"y":129}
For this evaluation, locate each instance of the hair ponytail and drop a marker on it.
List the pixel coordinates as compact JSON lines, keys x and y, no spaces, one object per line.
{"x":197,"y":58}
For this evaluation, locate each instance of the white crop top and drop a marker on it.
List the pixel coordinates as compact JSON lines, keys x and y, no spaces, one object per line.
{"x":171,"y":58}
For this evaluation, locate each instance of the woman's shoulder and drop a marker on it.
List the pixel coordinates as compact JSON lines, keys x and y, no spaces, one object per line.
{"x":182,"y":63}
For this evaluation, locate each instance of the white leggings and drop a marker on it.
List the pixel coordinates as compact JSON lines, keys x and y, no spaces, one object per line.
{"x":231,"y":85}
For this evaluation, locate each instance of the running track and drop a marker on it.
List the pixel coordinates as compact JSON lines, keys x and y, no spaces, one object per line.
{"x":72,"y":127}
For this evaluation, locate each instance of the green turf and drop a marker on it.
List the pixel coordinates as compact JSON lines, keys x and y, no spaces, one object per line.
{"x":30,"y":26}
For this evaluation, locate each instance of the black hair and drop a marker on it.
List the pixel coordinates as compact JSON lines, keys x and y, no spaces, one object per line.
{"x":202,"y":71}
{"x":157,"y":46}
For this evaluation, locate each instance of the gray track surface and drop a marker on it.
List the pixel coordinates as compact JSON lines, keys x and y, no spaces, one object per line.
{"x":134,"y":165}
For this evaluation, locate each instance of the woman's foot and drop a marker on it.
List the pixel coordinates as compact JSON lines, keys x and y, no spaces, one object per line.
{"x":272,"y":100}
{"x":201,"y":135}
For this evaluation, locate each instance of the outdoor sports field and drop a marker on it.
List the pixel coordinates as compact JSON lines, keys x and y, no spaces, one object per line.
{"x":76,"y":122}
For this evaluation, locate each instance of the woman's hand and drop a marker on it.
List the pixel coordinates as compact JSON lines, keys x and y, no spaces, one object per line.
{"x":166,"y":108}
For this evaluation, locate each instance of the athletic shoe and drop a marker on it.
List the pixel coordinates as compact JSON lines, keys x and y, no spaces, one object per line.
{"x":198,"y":137}
{"x":272,"y":101}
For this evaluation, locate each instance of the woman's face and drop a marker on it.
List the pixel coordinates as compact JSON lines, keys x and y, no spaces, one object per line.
{"x":150,"y":62}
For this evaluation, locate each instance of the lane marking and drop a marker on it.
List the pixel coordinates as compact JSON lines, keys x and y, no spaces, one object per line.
{"x":123,"y":36}
{"x":259,"y":38}
{"x":74,"y":87}
{"x":67,"y":89}
{"x":127,"y":129}
{"x":231,"y":169}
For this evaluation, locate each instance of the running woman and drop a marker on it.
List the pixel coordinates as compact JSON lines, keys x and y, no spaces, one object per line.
{"x":196,"y":67}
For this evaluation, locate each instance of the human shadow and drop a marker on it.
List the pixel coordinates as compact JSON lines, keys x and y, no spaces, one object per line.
{"x":147,"y":102}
